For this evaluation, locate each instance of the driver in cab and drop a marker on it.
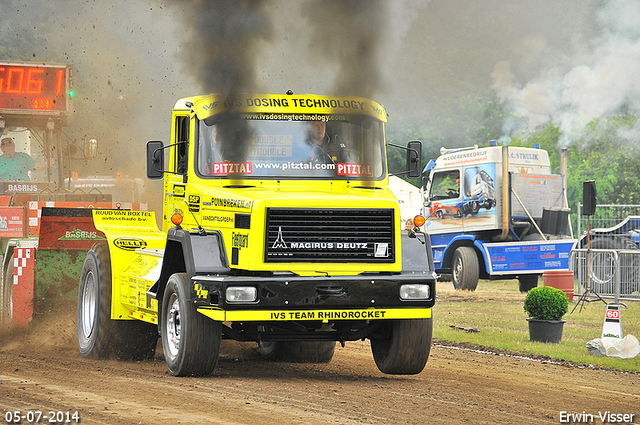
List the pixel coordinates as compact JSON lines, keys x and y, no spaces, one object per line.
{"x":454,"y":192}
{"x":323,"y":149}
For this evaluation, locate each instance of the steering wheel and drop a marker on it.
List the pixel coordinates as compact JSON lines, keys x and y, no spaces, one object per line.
{"x":350,"y":152}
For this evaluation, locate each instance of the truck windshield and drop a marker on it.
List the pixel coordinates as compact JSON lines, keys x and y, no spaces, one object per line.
{"x":325,"y":147}
{"x":445,"y":185}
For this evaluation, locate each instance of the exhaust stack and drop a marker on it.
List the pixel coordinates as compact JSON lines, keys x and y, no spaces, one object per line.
{"x":505,"y":193}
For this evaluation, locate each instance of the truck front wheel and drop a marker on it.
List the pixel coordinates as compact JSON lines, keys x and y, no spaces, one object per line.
{"x":98,"y":335}
{"x":190,"y":341}
{"x":405,"y":348}
{"x":465,"y":271}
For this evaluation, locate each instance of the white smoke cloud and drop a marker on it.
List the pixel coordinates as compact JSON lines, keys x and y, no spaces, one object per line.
{"x":600,"y":76}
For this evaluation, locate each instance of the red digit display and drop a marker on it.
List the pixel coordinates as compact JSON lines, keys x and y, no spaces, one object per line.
{"x":33,"y":87}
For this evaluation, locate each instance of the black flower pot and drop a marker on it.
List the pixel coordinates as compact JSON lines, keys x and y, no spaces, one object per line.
{"x":545,"y":330}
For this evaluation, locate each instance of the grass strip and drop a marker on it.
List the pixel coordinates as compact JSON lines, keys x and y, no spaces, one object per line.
{"x":496,"y":310}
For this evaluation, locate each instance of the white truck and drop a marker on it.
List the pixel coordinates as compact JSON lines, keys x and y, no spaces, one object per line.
{"x":496,"y":213}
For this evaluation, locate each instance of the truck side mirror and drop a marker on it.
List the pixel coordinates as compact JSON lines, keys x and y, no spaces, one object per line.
{"x":414,"y":159}
{"x":155,"y":160}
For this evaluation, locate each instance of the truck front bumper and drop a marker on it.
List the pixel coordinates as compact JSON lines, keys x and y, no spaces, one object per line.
{"x":323,"y":298}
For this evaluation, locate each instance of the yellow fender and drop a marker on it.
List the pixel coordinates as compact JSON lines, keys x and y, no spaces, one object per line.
{"x":136,"y":247}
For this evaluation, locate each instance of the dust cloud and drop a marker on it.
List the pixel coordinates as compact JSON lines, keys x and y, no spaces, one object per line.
{"x":124,"y":77}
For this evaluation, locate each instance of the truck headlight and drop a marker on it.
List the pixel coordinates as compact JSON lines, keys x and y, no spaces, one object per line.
{"x":241,"y":294}
{"x":415,"y":291}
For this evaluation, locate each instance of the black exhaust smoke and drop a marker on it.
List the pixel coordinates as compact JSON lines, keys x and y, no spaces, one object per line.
{"x":223,"y":37}
{"x":350,"y":33}
{"x":221,"y":43}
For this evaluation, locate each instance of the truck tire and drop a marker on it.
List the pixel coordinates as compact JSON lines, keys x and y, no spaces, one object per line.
{"x":98,"y":335}
{"x":465,"y":271}
{"x":406,"y":350}
{"x":190,"y":341}
{"x":298,"y":351}
{"x":527,"y":282}
{"x":6,"y":294}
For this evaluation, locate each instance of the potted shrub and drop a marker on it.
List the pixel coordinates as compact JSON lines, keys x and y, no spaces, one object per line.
{"x":545,"y":306}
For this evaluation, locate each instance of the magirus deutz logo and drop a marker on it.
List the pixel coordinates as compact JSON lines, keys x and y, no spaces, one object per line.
{"x":380,"y":250}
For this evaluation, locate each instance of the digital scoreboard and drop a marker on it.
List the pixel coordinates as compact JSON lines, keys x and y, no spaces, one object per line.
{"x":38,"y":88}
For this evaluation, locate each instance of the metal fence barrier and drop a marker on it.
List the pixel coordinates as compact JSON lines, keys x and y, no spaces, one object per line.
{"x":608,"y":273}
{"x":612,"y":267}
{"x":606,"y":215}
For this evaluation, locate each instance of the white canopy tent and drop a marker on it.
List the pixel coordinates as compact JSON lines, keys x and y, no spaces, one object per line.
{"x":408,"y":196}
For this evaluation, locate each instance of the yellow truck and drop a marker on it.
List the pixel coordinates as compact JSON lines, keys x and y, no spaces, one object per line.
{"x":278,"y":227}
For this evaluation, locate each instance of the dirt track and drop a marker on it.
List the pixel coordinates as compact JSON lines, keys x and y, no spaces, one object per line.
{"x":42,"y":371}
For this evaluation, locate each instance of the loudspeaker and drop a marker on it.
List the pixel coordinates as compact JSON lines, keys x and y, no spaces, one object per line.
{"x":548,"y":223}
{"x":589,"y":197}
{"x":554,"y":221}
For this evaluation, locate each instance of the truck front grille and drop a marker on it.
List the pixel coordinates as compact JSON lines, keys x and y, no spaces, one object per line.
{"x":330,"y":235}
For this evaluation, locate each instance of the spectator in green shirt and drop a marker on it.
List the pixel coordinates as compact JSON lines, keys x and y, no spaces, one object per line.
{"x":15,"y":166}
